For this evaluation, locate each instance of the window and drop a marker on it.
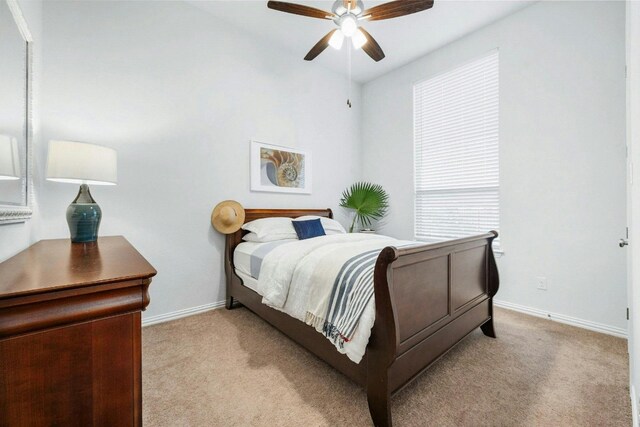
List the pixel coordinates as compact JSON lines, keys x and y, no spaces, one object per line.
{"x":457,"y":188}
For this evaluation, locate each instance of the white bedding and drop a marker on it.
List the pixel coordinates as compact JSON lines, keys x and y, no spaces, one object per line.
{"x":292,"y":273}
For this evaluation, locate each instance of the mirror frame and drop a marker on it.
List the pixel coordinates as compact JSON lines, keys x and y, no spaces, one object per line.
{"x":13,"y":213}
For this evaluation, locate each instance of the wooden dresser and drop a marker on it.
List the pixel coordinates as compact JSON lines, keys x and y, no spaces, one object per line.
{"x":70,"y":326}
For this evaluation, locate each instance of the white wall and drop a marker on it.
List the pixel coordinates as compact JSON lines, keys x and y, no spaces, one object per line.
{"x":562,"y":152}
{"x":179,"y":94}
{"x":16,"y":237}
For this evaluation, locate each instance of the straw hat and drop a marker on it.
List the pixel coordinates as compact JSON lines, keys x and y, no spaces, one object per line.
{"x":227,"y":217}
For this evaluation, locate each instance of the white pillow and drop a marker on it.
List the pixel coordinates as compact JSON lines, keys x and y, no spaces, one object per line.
{"x":253,"y":237}
{"x":276,"y":228}
{"x":331,"y":226}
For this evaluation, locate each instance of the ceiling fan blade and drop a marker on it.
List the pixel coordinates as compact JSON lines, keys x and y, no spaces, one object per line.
{"x":319,"y":47}
{"x":299,"y":9}
{"x":371,"y":47}
{"x":395,"y":9}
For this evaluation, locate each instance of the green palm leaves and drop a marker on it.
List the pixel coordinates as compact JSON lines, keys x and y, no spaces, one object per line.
{"x":370,"y":202}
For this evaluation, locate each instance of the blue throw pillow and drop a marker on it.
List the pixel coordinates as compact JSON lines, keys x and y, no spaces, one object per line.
{"x":308,"y":229}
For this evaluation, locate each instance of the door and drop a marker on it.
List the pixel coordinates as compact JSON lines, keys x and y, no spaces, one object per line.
{"x":633,"y":198}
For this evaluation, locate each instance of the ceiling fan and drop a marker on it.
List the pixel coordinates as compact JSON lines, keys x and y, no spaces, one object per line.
{"x":347,"y":15}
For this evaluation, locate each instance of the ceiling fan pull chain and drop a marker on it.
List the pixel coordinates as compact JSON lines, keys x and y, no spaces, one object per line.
{"x":349,"y":67}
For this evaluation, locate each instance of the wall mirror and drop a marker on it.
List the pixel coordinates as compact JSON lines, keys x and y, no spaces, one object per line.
{"x":15,"y":131}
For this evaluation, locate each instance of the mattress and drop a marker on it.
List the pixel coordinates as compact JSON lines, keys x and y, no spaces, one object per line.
{"x":248,"y":281}
{"x":248,"y":256}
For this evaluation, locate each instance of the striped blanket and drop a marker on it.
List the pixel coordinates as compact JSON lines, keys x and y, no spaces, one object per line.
{"x":352,"y":290}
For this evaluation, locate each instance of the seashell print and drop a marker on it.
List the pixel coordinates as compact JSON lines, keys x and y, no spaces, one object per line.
{"x":284,"y":169}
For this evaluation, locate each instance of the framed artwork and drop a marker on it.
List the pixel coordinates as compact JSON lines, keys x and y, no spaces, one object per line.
{"x":280,"y":169}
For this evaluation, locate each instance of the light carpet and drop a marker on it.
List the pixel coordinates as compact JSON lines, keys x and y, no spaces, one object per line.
{"x":230,"y":368}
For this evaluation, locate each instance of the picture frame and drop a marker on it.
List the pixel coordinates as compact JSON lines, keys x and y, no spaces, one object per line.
{"x":280,"y":169}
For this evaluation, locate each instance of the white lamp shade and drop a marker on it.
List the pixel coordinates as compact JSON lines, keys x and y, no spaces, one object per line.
{"x":348,"y":25}
{"x":9,"y":158}
{"x":358,"y":39}
{"x":336,"y":39}
{"x":82,"y":163}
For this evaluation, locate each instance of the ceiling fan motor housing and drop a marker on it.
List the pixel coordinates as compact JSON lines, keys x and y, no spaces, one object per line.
{"x":339,"y":9}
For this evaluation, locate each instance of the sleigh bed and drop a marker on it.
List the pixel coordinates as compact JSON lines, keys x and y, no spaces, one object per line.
{"x":427,"y":299}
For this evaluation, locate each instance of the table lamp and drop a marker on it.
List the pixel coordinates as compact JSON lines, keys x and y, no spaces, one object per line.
{"x":84,"y":164}
{"x":9,"y":158}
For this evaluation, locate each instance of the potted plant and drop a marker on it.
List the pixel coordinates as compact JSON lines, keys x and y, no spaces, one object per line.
{"x":369,"y":201}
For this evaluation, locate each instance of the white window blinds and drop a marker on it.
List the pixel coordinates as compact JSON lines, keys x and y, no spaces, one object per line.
{"x":457,"y":188}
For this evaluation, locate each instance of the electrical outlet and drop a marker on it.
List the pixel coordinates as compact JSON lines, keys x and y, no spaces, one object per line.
{"x":542,"y":283}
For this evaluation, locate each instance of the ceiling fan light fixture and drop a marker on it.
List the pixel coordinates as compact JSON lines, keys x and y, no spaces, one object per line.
{"x":336,"y":40}
{"x":358,"y":39}
{"x":348,"y":25}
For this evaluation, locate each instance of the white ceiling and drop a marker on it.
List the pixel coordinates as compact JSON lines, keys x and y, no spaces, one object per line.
{"x":402,"y":39}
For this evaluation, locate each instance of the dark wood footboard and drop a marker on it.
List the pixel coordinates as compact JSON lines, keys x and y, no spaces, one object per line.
{"x":428,"y":298}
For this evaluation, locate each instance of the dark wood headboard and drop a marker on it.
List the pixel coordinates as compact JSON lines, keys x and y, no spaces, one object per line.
{"x":234,"y":239}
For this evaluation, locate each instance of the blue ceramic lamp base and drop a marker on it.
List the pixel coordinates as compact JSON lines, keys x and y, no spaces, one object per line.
{"x":83,"y":217}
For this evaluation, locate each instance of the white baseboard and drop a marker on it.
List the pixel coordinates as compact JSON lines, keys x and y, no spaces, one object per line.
{"x":634,"y":406}
{"x":573,"y":321}
{"x":161,"y":318}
